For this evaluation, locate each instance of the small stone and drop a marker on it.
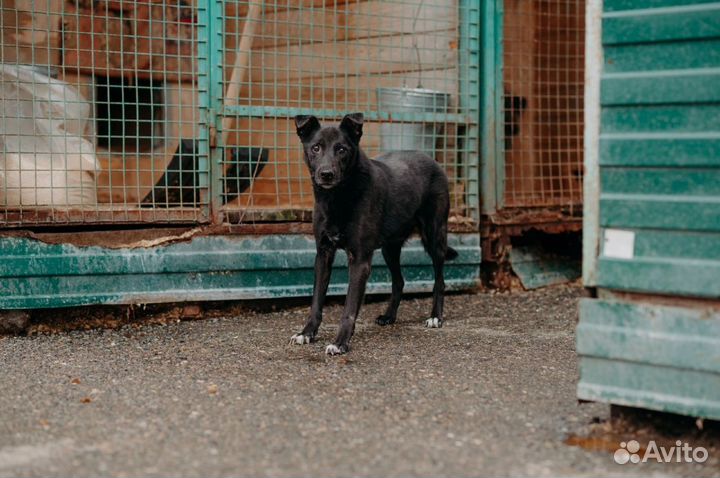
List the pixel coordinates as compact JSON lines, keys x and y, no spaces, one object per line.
{"x":14,"y":322}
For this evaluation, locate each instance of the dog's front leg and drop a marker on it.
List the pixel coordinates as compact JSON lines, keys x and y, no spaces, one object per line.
{"x":359,"y":271}
{"x":323,"y":268}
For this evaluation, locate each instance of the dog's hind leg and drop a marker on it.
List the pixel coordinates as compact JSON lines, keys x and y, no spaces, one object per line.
{"x":359,"y":270}
{"x":434,"y":236}
{"x":323,"y":267}
{"x":436,"y":317}
{"x":391,"y":254}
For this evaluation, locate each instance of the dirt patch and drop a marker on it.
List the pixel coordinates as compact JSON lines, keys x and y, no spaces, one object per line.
{"x":666,"y":430}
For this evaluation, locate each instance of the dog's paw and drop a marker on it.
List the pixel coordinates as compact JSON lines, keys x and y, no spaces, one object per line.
{"x":433,"y":323}
{"x":300,"y":339}
{"x":385,"y":320}
{"x":333,"y":349}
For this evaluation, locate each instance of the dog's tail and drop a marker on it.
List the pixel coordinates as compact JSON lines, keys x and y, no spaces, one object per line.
{"x":450,"y":254}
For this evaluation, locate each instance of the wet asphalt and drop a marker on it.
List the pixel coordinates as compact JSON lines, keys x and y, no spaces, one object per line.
{"x":490,"y":393}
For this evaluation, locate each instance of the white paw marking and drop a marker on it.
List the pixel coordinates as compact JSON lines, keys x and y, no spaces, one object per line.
{"x":433,"y":323}
{"x":299,"y":339}
{"x":333,"y":350}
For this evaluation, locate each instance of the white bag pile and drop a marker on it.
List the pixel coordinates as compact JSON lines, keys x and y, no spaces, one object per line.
{"x":45,"y":159}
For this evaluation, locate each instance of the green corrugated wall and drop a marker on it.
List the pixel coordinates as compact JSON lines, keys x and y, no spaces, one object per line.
{"x":660,"y":145}
{"x":658,"y":211}
{"x":34,"y":274}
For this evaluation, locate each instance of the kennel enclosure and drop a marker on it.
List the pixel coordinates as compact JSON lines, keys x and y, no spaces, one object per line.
{"x":169,"y":169}
{"x":651,"y":338}
{"x":185,"y":180}
{"x":532,"y":157}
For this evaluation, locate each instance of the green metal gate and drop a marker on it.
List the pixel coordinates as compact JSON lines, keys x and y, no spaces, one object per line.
{"x":198,"y":190}
{"x":652,"y":207}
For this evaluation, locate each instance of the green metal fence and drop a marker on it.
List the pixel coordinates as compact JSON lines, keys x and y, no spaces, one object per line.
{"x":98,"y":99}
{"x":410,"y":66}
{"x":159,"y":132}
{"x":167,"y":111}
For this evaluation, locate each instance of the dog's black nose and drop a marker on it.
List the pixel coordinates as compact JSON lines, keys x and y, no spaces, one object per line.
{"x":327,"y":175}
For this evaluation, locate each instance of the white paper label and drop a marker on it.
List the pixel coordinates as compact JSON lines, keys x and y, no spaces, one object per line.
{"x":619,"y":244}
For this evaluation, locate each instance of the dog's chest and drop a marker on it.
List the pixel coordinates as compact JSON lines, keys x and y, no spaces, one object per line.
{"x":335,"y":237}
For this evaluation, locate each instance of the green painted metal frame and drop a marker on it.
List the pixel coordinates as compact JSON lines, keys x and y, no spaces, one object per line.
{"x":216,"y":42}
{"x":471,"y":76}
{"x":205,"y":95}
{"x":34,"y":274}
{"x":492,"y":160}
{"x":591,"y":141}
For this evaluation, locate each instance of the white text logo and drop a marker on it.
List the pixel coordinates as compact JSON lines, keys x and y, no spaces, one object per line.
{"x":630,"y":452}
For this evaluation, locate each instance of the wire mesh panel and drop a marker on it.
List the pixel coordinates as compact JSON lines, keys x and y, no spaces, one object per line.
{"x":102,"y":111}
{"x":543,"y":80}
{"x":410,"y":66}
{"x":109,"y":106}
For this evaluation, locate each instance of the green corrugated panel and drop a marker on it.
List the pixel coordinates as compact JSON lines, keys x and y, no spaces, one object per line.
{"x":677,"y":55}
{"x":34,"y":274}
{"x":651,"y":356}
{"x":659,"y":212}
{"x":537,"y":267}
{"x":616,"y":5}
{"x":660,"y":147}
{"x":661,"y":87}
{"x":491,"y":101}
{"x":652,"y":25}
{"x":667,"y":262}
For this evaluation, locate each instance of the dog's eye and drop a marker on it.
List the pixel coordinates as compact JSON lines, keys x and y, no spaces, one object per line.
{"x":315,"y":148}
{"x":341,"y":151}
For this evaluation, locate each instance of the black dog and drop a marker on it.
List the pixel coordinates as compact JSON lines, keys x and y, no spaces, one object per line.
{"x":362,"y":205}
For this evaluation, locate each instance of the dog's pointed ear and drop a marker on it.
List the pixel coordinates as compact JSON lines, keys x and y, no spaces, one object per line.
{"x":306,"y":126}
{"x":352,"y":125}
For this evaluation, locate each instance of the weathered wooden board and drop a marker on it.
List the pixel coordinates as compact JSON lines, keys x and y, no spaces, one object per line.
{"x":347,"y":93}
{"x":132,"y":39}
{"x":393,"y":54}
{"x":345,"y":21}
{"x":239,"y":9}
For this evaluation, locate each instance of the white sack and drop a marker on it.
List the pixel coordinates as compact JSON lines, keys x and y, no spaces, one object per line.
{"x":45,"y":159}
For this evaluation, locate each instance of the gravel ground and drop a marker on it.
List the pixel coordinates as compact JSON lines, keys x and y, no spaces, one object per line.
{"x":491,"y":393}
